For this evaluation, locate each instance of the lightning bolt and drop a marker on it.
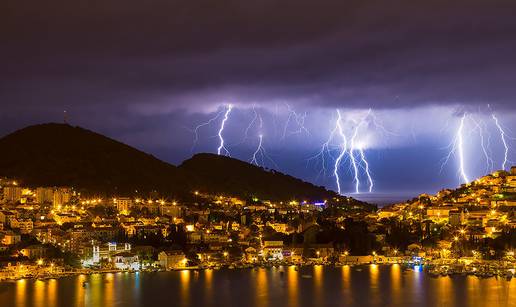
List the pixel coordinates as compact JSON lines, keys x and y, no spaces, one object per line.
{"x":368,"y":174}
{"x":298,"y":118}
{"x":354,"y":163}
{"x":343,"y":147}
{"x":325,"y":147}
{"x":457,"y":147}
{"x":504,"y":141}
{"x":257,"y":151}
{"x":246,"y":132}
{"x":481,"y":126}
{"x":260,"y":154}
{"x":460,"y":140}
{"x":222,"y":148}
{"x":256,"y":116}
{"x":196,"y":129}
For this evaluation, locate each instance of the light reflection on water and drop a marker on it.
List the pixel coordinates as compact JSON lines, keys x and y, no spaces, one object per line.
{"x":262,"y":290}
{"x":286,"y":286}
{"x":395,"y":283}
{"x":185,"y":287}
{"x":293,"y":286}
{"x":346,"y":285}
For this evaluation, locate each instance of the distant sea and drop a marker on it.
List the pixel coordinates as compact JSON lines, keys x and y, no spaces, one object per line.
{"x":383,"y":199}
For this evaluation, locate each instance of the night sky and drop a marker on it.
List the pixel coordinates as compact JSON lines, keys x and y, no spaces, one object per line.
{"x":147,"y":72}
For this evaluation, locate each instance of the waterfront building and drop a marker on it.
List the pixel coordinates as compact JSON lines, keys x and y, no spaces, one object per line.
{"x":173,"y":259}
{"x":106,"y":252}
{"x":126,"y":261}
{"x":273,"y":250}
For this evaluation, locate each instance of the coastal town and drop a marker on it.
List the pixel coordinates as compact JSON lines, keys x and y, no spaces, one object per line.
{"x":48,"y":232}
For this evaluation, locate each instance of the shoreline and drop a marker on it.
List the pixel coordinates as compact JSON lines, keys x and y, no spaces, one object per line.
{"x":433,"y":270}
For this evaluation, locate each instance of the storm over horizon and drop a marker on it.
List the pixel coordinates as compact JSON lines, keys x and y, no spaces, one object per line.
{"x":147,"y":75}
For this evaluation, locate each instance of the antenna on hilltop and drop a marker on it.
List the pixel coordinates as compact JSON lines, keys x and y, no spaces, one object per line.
{"x":65,"y":117}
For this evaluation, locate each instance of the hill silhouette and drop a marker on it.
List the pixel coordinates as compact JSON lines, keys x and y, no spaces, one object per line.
{"x":219,"y":173}
{"x":63,"y":155}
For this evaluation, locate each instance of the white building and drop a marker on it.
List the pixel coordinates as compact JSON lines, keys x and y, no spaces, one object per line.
{"x":126,"y":261}
{"x":273,"y":250}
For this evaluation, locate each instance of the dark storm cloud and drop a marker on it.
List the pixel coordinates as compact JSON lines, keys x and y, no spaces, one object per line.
{"x":163,"y":54}
{"x":130,"y":69}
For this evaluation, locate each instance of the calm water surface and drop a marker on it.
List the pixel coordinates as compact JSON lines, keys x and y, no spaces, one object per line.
{"x":310,"y":286}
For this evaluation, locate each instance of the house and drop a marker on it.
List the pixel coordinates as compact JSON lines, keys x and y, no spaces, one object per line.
{"x":126,"y":261}
{"x":34,"y":251}
{"x":273,"y":250}
{"x":6,"y":217}
{"x":387,"y":213}
{"x":106,"y":251}
{"x":174,"y":259}
{"x":24,"y":225}
{"x":10,"y":238}
{"x":439,"y":213}
{"x":251,"y":254}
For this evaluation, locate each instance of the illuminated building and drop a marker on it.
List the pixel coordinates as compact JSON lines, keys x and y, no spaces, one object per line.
{"x":172,"y":210}
{"x":12,"y":194}
{"x":173,"y":259}
{"x":126,"y":261}
{"x":10,"y":238}
{"x":62,"y":196}
{"x":24,"y":225}
{"x":123,"y":204}
{"x":108,"y":250}
{"x":34,"y":251}
{"x":44,"y":195}
{"x":439,"y":213}
{"x":273,"y":250}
